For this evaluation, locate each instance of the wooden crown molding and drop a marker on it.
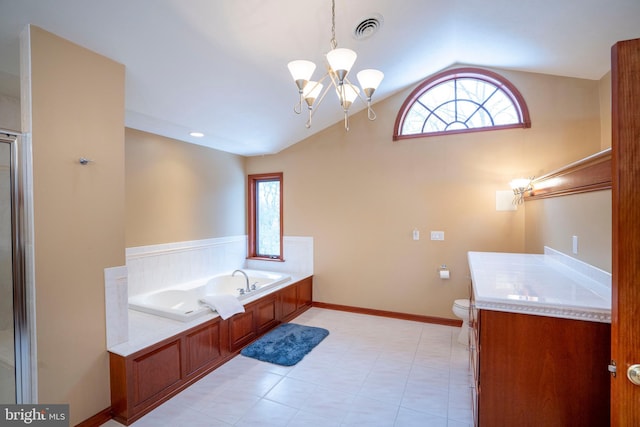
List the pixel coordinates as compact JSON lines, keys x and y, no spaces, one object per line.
{"x":592,"y":173}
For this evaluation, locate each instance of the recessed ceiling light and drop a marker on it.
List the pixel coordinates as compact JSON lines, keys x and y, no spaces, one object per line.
{"x":196,"y":134}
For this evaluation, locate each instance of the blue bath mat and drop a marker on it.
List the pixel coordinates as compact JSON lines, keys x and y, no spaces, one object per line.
{"x":286,"y":345}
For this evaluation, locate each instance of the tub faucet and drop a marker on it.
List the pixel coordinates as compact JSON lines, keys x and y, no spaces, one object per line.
{"x":246,"y":278}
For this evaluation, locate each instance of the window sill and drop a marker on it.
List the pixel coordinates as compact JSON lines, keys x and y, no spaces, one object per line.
{"x":264,"y":258}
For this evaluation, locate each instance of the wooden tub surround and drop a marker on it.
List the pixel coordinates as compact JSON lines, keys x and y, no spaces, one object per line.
{"x":144,"y":379}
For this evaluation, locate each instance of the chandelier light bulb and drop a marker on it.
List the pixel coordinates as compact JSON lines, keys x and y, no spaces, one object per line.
{"x":520,"y":184}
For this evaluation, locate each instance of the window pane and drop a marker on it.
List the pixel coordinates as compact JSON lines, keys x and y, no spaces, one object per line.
{"x":474,"y":90}
{"x":415,"y":119}
{"x":268,"y":218}
{"x":456,"y":126}
{"x":502,"y":109}
{"x":447,"y":113}
{"x":480,"y":119}
{"x":434,"y":124}
{"x":438,"y":95}
{"x":466,"y":109}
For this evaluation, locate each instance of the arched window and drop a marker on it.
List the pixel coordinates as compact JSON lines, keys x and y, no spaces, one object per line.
{"x":461,"y":100}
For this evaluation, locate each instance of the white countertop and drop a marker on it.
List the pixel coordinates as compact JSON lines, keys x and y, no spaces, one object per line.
{"x":552,"y":284}
{"x":148,"y":329}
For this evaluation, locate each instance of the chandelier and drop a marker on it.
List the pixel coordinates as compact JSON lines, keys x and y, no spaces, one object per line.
{"x":339,"y":63}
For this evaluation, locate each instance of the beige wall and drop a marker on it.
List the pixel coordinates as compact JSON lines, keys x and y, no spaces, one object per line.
{"x":359,"y":194}
{"x":552,"y":222}
{"x":605,"y":111}
{"x":178,"y":192}
{"x":77,"y":109}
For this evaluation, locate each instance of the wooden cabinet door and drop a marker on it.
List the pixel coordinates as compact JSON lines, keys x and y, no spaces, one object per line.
{"x":542,"y":371}
{"x":203,"y":346}
{"x":288,"y":301}
{"x":266,"y":316}
{"x":242,"y":328}
{"x":305,"y":293}
{"x":625,"y":159}
{"x":155,"y":372}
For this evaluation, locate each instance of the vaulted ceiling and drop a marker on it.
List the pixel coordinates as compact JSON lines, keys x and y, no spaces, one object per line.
{"x":220,"y":67}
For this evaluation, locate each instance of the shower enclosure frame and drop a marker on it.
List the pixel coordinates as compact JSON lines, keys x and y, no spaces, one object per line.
{"x":19,"y":228}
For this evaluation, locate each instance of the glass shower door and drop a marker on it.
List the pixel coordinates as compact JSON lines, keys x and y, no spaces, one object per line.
{"x":7,"y":340}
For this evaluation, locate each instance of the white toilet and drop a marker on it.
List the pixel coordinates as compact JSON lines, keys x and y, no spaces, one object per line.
{"x":461,"y":309}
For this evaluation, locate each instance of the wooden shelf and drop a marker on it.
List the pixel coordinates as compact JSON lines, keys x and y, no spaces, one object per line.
{"x":592,"y":173}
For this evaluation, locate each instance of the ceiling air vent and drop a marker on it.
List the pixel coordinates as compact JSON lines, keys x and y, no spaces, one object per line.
{"x":368,"y":27}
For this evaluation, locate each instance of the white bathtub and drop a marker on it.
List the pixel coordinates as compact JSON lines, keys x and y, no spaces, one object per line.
{"x":182,"y":302}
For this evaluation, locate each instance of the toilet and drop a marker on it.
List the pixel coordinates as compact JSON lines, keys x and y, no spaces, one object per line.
{"x":461,"y":309}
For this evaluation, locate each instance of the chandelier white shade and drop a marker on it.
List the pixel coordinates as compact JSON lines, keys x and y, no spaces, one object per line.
{"x":301,"y":71}
{"x":341,"y":60}
{"x":347,"y":94}
{"x":311,"y":91}
{"x":369,"y":81}
{"x":339,"y":64}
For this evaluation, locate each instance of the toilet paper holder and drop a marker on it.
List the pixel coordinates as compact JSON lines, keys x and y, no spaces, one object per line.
{"x":443,"y":271}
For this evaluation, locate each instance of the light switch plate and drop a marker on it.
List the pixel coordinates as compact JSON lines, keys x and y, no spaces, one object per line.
{"x":437,"y":235}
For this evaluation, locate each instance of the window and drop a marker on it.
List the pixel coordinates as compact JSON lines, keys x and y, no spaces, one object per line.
{"x":461,"y":100}
{"x":265,"y":216}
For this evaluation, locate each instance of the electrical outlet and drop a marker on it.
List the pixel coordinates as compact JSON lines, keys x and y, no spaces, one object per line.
{"x":437,"y":235}
{"x":574,"y":243}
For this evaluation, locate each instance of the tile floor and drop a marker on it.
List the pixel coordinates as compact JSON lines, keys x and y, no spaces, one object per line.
{"x":370,"y":371}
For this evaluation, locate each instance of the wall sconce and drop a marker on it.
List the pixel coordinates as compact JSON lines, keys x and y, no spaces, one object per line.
{"x":519,"y":187}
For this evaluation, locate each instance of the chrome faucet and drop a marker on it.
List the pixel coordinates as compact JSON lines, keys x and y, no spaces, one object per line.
{"x":245,"y":276}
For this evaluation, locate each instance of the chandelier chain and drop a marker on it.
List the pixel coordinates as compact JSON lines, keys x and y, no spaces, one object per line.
{"x":334,"y":43}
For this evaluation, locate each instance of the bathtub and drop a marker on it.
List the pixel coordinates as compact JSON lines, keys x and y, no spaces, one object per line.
{"x":182,"y":302}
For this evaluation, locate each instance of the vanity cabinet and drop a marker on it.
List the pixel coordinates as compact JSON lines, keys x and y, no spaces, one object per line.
{"x":143,"y":380}
{"x":540,"y":340}
{"x":532,"y":370}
